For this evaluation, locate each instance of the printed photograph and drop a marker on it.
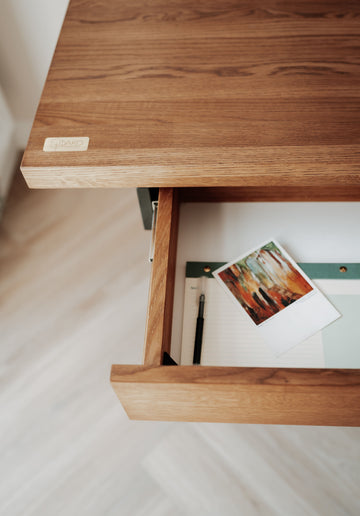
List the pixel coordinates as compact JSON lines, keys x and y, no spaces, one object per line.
{"x":265,"y":282}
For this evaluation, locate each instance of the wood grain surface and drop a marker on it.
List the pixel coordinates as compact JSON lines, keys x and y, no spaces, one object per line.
{"x":240,"y":395}
{"x":205,"y":93}
{"x":161,"y":295}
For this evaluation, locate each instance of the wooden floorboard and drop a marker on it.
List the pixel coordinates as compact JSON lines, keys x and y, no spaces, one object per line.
{"x":73,"y":294}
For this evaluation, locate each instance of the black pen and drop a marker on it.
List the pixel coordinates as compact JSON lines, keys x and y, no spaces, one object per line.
{"x":199,"y":330}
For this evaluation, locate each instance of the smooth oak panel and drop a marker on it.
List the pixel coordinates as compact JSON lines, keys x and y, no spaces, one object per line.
{"x":174,"y":19}
{"x":239,"y":395}
{"x":207,"y":93}
{"x":268,"y":166}
{"x":161,"y":295}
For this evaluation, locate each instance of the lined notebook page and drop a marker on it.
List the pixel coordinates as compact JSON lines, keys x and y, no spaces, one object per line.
{"x":229,"y":339}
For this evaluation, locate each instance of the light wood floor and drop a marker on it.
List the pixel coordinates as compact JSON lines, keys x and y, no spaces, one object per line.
{"x":73,"y":294}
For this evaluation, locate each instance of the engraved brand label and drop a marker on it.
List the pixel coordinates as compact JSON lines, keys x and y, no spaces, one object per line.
{"x":73,"y":144}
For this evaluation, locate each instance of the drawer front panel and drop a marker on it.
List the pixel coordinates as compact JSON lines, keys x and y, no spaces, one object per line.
{"x":240,"y":395}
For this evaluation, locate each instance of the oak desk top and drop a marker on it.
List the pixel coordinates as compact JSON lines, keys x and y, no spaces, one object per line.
{"x":202,"y":93}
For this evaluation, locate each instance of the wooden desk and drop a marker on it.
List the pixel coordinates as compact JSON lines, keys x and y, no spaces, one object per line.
{"x":254,"y":99}
{"x":202,"y":93}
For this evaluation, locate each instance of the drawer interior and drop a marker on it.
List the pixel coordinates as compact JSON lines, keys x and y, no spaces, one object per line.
{"x":318,"y":232}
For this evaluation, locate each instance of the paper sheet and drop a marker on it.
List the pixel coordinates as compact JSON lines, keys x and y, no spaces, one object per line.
{"x":230,"y":340}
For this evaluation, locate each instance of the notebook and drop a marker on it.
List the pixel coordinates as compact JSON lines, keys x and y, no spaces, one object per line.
{"x":229,"y":340}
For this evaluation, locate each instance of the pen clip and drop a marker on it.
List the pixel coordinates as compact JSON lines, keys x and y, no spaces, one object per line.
{"x":154,"y":206}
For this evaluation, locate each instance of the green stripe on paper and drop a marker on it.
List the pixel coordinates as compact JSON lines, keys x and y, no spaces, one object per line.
{"x":331,"y":270}
{"x":196,"y":269}
{"x":313,"y":270}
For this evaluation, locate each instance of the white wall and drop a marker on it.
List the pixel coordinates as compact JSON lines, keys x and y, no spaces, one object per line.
{"x":28,"y":34}
{"x":7,"y":148}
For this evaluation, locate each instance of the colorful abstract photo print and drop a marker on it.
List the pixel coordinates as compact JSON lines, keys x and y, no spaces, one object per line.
{"x":275,"y":296}
{"x":265,"y":282}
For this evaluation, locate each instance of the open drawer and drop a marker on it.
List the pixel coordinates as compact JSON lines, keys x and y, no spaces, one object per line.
{"x":154,"y":391}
